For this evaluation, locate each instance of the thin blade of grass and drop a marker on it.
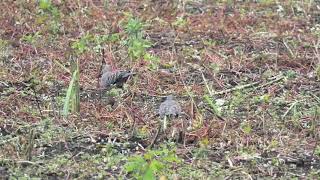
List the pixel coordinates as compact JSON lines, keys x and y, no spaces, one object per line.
{"x":69,"y":94}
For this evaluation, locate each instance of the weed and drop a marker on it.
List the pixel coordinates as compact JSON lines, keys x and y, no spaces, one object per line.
{"x":273,"y":144}
{"x":209,"y":42}
{"x":154,"y":60}
{"x":137,"y":44}
{"x":137,"y":47}
{"x":134,"y":28}
{"x":31,"y":38}
{"x":191,"y":53}
{"x":246,"y":127}
{"x":236,"y":102}
{"x":152,"y":163}
{"x":213,"y":105}
{"x":73,"y":92}
{"x":81,"y":45}
{"x":201,"y":153}
{"x":45,"y":4}
{"x":48,"y":11}
{"x":266,"y":2}
{"x":180,"y":22}
{"x":316,"y":30}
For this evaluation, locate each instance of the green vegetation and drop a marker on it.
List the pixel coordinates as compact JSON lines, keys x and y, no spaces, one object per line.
{"x":152,"y":163}
{"x":73,"y":92}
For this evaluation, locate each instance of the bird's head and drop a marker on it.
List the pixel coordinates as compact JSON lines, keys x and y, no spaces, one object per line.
{"x":106,"y":68}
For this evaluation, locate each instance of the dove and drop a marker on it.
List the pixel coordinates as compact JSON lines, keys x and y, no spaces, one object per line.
{"x":110,"y":77}
{"x":169,"y":107}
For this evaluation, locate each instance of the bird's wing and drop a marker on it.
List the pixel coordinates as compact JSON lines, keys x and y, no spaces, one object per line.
{"x":163,"y":109}
{"x":107,"y":79}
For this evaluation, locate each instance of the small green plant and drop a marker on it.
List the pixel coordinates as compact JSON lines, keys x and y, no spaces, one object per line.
{"x":99,"y":40}
{"x":45,"y":4}
{"x":134,"y":28}
{"x":213,"y":105}
{"x":137,"y":47}
{"x":273,"y":144}
{"x":203,"y":151}
{"x":180,"y":22}
{"x":151,"y":164}
{"x":237,"y":99}
{"x":81,"y":45}
{"x":137,"y":44}
{"x":262,"y":99}
{"x":315,"y":30}
{"x":3,"y":44}
{"x":266,"y":2}
{"x":49,"y":14}
{"x":31,"y":38}
{"x":209,"y":42}
{"x":154,"y":60}
{"x":73,"y":92}
{"x":246,"y":127}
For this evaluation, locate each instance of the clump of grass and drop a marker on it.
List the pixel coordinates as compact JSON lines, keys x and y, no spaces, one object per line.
{"x":72,"y":99}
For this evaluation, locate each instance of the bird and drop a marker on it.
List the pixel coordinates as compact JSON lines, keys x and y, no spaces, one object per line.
{"x":110,"y":77}
{"x":169,"y":107}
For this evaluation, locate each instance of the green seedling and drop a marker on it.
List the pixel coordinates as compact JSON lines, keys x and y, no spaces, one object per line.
{"x":136,"y":43}
{"x":31,"y":38}
{"x":73,"y":93}
{"x":152,"y":164}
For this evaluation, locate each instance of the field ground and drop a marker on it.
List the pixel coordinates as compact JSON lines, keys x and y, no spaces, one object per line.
{"x":247,"y":75}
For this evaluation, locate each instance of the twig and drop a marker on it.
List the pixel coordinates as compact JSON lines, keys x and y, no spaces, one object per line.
{"x":275,"y":79}
{"x":236,"y":88}
{"x":216,"y":114}
{"x":315,"y":97}
{"x":289,"y":109}
{"x":98,"y":78}
{"x":280,"y":77}
{"x":289,"y":49}
{"x":22,"y":161}
{"x":316,"y":116}
{"x":37,"y":101}
{"x":62,"y":66}
{"x":156,"y":136}
{"x":205,"y":82}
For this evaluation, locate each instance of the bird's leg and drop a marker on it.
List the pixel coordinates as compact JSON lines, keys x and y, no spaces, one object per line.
{"x":164,"y":123}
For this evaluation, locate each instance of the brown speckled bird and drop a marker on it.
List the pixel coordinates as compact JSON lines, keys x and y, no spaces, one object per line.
{"x":110,"y":77}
